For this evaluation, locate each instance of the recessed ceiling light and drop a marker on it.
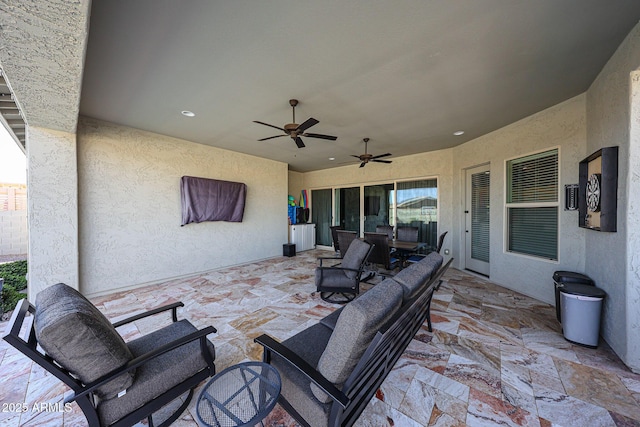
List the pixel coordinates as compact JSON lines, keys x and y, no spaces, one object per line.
{"x":188,"y":113}
{"x":332,"y":158}
{"x":458,"y":132}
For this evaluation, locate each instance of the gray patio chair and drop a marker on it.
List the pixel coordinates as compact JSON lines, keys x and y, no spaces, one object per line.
{"x":341,"y":284}
{"x":114,"y":383}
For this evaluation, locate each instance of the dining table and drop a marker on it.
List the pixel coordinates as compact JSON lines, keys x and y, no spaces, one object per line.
{"x":403,"y":249}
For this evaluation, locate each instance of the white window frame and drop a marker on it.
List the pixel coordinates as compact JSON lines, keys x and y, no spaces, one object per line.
{"x":507,"y":206}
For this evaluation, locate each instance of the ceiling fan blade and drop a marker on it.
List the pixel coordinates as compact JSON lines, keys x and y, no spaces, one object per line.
{"x":381,"y":155}
{"x":271,"y":137}
{"x":353,"y":155}
{"x":362,"y":164}
{"x":382,"y":161}
{"x":307,"y":124}
{"x":317,"y":135}
{"x":267,"y":124}
{"x":299,"y":142}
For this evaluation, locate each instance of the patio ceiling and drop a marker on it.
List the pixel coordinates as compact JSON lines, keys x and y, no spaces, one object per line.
{"x":406,"y":74}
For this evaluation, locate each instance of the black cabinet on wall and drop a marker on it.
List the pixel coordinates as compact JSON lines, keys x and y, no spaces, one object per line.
{"x":598,"y":190}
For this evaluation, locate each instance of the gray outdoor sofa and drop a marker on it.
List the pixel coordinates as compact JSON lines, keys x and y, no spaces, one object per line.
{"x":331,"y":370}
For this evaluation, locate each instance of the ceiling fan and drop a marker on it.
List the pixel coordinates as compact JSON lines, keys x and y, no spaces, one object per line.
{"x":366,"y":158}
{"x":294,"y":130}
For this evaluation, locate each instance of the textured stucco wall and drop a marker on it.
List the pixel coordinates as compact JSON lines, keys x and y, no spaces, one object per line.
{"x":608,"y":124}
{"x":435,"y":164}
{"x":42,"y":46}
{"x":561,"y":126}
{"x":130,"y":210}
{"x":52,"y":182}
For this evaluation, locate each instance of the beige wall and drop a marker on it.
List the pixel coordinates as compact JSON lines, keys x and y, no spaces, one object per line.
{"x":130,"y":214}
{"x":613,"y":103}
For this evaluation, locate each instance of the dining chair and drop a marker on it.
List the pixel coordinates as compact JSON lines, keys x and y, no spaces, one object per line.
{"x":420,"y":257}
{"x":381,"y":253}
{"x":407,"y":234}
{"x":344,"y":240}
{"x":388,"y":229}
{"x":334,"y":236}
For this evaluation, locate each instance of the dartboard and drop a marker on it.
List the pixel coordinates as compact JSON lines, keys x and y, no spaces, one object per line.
{"x":593,"y":192}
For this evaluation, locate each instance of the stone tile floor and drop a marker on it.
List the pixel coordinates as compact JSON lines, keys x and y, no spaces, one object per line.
{"x":495,"y":357}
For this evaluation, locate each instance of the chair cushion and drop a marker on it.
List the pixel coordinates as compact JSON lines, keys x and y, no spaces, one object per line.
{"x":354,"y":257}
{"x":327,"y":278}
{"x":309,"y":345}
{"x":358,"y":323}
{"x":159,"y":374}
{"x":80,"y":338}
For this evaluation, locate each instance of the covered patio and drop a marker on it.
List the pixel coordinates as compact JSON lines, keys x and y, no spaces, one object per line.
{"x":495,"y":356}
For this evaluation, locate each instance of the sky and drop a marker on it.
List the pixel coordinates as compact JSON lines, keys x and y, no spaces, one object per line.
{"x":13,"y":162}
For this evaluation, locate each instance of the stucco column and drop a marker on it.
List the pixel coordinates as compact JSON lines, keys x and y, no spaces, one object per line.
{"x":633,"y":227}
{"x":52,"y":198}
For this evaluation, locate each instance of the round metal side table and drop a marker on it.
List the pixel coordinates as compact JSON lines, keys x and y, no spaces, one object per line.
{"x":241,"y":395}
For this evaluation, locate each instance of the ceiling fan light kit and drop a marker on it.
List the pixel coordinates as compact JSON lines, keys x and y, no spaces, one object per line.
{"x":366,"y":157}
{"x":294,"y":130}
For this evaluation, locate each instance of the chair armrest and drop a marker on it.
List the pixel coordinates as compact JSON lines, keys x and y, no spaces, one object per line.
{"x":272,"y":346}
{"x":339,"y":268}
{"x":139,"y":316}
{"x":334,"y":258}
{"x":140,"y":360}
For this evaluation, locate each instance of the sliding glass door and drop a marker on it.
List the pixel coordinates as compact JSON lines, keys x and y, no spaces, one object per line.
{"x":417,"y":206}
{"x":363,"y":208}
{"x":348,"y":208}
{"x":378,"y":202}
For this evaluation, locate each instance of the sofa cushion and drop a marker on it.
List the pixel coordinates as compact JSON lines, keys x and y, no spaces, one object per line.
{"x":159,"y":374}
{"x":330,"y":320}
{"x":80,"y":338}
{"x":417,"y":274}
{"x":354,"y":331}
{"x":354,"y":256}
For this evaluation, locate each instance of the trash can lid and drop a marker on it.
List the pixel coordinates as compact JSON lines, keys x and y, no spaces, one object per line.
{"x":582,"y":290}
{"x":572,"y":277}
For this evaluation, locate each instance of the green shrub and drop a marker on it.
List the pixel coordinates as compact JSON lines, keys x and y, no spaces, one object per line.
{"x":15,"y":280}
{"x":10,"y":297}
{"x":14,"y":274}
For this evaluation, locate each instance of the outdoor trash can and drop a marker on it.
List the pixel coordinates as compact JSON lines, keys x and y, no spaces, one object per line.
{"x":561,"y":277}
{"x":581,"y":308}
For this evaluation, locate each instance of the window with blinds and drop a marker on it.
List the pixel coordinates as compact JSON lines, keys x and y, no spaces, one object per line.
{"x":532,"y":205}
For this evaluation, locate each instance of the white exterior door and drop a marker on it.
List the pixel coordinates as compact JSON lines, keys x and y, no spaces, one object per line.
{"x":477,"y":215}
